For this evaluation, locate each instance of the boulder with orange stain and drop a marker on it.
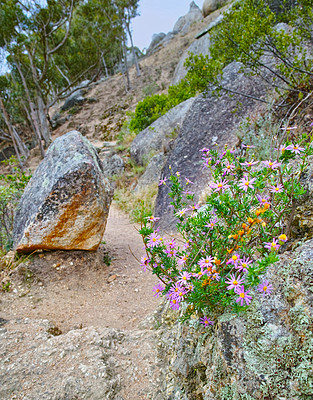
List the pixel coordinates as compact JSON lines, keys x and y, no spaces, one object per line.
{"x":66,"y":203}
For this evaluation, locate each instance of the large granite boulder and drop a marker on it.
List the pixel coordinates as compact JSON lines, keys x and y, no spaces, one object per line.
{"x":199,"y":46}
{"x":211,"y":5}
{"x":212,"y":120}
{"x":66,"y":203}
{"x":156,"y":137}
{"x":302,"y":225}
{"x":183,"y":23}
{"x":152,"y":174}
{"x":264,"y":353}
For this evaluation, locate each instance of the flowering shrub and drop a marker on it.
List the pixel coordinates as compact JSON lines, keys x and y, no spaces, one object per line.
{"x":227,"y":244}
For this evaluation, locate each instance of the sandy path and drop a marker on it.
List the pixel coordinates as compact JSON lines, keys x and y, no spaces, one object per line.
{"x":77,"y":289}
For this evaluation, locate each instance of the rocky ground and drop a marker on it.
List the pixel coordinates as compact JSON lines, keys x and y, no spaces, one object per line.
{"x":74,"y":327}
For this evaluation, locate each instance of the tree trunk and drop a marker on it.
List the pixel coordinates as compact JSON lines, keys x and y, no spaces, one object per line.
{"x":8,"y":124}
{"x":33,"y":111}
{"x":133,"y":49}
{"x":44,"y":125}
{"x":128,"y":86}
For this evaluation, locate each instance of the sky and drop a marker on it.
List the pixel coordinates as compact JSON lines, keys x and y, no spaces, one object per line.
{"x":158,"y":16}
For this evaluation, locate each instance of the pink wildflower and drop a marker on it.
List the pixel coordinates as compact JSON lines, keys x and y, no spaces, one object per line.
{"x":263,"y":200}
{"x":243,"y":296}
{"x":144,"y":263}
{"x":276,"y":189}
{"x":234,"y":283}
{"x":206,"y":262}
{"x":154,"y":240}
{"x":152,"y":218}
{"x":180,"y":213}
{"x":295,"y":148}
{"x":199,"y":274}
{"x":245,"y":183}
{"x":211,"y":223}
{"x":184,"y":278}
{"x":188,"y":181}
{"x":271,"y":164}
{"x":182,"y":260}
{"x":162,"y":182}
{"x":249,"y":163}
{"x":244,"y":264}
{"x":222,"y":185}
{"x":274,"y":245}
{"x":206,"y":321}
{"x":265,"y":288}
{"x":228,"y":168}
{"x":283,"y":238}
{"x":174,"y":304}
{"x":235,"y":258}
{"x":158,"y":289}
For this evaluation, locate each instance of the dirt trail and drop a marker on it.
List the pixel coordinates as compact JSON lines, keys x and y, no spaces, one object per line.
{"x":77,"y":289}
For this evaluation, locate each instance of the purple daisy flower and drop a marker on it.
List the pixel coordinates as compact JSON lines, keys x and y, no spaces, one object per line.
{"x":234,"y":283}
{"x":249,"y":163}
{"x":184,"y":278}
{"x":295,"y":148}
{"x":265,"y":288}
{"x":274,"y":245}
{"x":271,"y":164}
{"x":154,"y":240}
{"x":276,"y":189}
{"x":206,"y":321}
{"x":206,"y":262}
{"x":222,"y":185}
{"x":246,"y":183}
{"x":158,"y":289}
{"x":243,"y":296}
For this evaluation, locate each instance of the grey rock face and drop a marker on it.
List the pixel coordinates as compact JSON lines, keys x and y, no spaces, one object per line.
{"x":152,"y":173}
{"x":157,"y":136}
{"x":200,"y":46}
{"x":211,"y":5}
{"x":113,"y":164}
{"x":211,"y":120}
{"x":194,"y":14}
{"x":89,"y":363}
{"x":303,"y":216}
{"x":66,"y":203}
{"x":266,"y":352}
{"x":74,"y":99}
{"x":156,"y":39}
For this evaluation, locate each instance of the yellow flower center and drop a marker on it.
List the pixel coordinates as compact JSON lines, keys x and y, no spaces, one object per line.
{"x":235,"y":283}
{"x":265,"y":288}
{"x":219,"y":185}
{"x":206,"y":322}
{"x":234,"y":258}
{"x":270,"y":163}
{"x":154,"y":239}
{"x":247,"y":183}
{"x":184,"y":278}
{"x":242,"y":295}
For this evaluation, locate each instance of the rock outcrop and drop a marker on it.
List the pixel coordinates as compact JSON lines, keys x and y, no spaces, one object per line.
{"x":264,"y":353}
{"x":152,"y":174}
{"x":66,"y":203}
{"x":156,"y":137}
{"x":156,"y":39}
{"x":199,"y":46}
{"x":89,"y":363}
{"x":210,"y":121}
{"x":211,"y":5}
{"x":183,"y":23}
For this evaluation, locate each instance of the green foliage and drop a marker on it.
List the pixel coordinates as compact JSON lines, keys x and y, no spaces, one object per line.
{"x":11,"y":190}
{"x":247,"y":34}
{"x":231,"y":240}
{"x":153,"y":107}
